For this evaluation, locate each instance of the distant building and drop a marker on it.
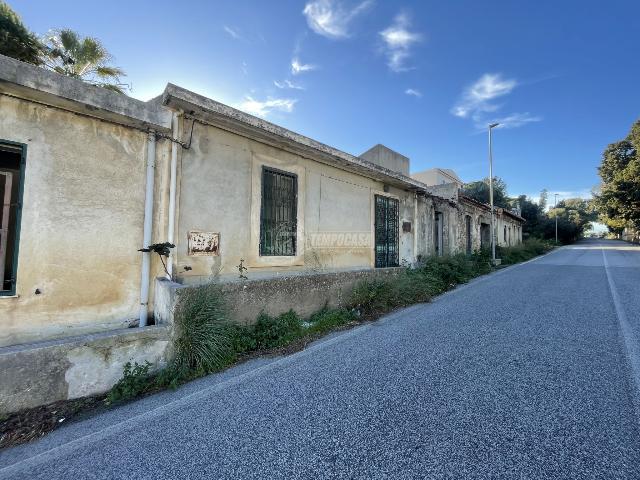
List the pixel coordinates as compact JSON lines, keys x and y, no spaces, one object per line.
{"x":438,"y":176}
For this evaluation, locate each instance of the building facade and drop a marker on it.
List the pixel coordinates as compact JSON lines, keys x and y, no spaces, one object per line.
{"x":89,"y":177}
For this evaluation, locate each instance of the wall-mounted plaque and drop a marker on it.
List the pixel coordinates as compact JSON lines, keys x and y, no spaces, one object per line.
{"x":203,"y":244}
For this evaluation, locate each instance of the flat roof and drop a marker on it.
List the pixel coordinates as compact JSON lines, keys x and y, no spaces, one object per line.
{"x":31,"y":82}
{"x":233,"y":120}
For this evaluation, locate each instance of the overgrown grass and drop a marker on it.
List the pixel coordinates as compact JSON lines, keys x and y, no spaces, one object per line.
{"x":203,"y":341}
{"x":327,"y":320}
{"x":418,"y":284}
{"x":527,"y":250}
{"x":207,"y":341}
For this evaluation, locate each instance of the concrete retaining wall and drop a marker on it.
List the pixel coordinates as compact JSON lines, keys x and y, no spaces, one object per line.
{"x":45,"y":372}
{"x":304,"y":293}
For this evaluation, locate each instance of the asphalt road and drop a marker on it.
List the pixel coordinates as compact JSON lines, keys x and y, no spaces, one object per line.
{"x":531,"y":372}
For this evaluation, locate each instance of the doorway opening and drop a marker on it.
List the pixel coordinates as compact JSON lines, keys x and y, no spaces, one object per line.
{"x":386,"y":227}
{"x":12,"y":157}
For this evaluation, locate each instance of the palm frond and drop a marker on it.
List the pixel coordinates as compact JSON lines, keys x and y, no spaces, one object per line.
{"x":104,"y":71}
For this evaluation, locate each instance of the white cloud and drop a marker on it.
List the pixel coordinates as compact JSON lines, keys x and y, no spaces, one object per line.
{"x":413,"y":92}
{"x":330,"y":19}
{"x":298,"y":68}
{"x":232,"y":33}
{"x":477,"y":97}
{"x":264,"y":108}
{"x":398,"y":41}
{"x":513,"y":120}
{"x":288,"y":84}
{"x":477,"y":102}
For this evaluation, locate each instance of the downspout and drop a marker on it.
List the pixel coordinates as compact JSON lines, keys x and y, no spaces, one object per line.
{"x":415,"y":228}
{"x":172,"y":192}
{"x":147,"y":229}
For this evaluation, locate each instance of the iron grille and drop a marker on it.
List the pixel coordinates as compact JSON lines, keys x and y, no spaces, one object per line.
{"x":386,"y":232}
{"x":278,"y":213}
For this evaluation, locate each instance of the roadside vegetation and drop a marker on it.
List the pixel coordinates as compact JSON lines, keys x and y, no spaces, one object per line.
{"x":207,"y":341}
{"x":618,"y":197}
{"x":574,"y":215}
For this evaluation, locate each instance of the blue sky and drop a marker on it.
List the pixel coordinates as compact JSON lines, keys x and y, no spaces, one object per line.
{"x":423,"y":78}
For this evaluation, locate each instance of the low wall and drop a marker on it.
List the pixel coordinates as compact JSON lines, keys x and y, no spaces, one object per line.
{"x":304,"y":293}
{"x":45,"y":372}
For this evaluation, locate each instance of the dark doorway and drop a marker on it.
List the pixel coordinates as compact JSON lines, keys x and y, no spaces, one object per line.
{"x":437,"y":233}
{"x":11,"y":179}
{"x":485,"y":236}
{"x":468,"y":231}
{"x":386,"y":232}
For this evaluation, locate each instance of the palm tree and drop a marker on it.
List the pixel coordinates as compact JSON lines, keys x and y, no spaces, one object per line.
{"x":86,"y":58}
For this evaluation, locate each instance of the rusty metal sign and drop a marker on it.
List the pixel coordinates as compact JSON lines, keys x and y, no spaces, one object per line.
{"x":201,"y":244}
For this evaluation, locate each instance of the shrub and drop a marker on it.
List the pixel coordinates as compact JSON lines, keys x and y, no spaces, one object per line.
{"x":431,"y":277}
{"x":203,"y":332}
{"x":372,"y":295}
{"x":273,"y":332}
{"x":134,"y":382}
{"x":326,"y":320}
{"x":243,"y":339}
{"x":526,"y":250}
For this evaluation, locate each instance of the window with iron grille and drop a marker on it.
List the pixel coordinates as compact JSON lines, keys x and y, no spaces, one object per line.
{"x":386,"y":232}
{"x":278,"y":213}
{"x":12,"y":160}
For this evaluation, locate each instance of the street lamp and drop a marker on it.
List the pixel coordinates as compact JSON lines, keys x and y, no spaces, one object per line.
{"x":555,"y":205}
{"x":493,"y":230}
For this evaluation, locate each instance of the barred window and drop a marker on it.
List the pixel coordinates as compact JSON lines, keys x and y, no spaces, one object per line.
{"x":278,"y":213}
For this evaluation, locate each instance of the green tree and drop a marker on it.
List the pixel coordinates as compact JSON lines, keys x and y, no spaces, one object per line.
{"x":16,"y":41}
{"x":534,"y":215}
{"x":85,"y":58}
{"x":544,"y":198}
{"x":619,"y":199}
{"x":480,"y":191}
{"x":574,"y":219}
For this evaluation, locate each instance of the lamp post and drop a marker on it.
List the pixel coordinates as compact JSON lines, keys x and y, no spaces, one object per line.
{"x":555,"y":205}
{"x":493,"y":230}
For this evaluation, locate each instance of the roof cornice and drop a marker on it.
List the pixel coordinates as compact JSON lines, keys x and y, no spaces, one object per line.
{"x":30,"y":82}
{"x":227,"y":118}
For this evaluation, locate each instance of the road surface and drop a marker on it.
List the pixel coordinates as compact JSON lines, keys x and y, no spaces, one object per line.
{"x":531,"y":372}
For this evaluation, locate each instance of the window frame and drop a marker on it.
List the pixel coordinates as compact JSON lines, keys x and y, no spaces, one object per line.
{"x":294,"y":176}
{"x":18,"y":220}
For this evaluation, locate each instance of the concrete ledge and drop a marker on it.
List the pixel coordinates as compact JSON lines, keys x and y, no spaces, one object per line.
{"x":305,"y":294}
{"x":45,"y":372}
{"x":34,"y":83}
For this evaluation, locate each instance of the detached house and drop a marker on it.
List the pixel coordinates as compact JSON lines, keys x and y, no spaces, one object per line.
{"x":89,"y":177}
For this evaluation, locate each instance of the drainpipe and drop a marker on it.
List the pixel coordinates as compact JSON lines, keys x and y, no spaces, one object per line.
{"x":415,"y":227}
{"x":172,"y":192}
{"x":147,"y":229}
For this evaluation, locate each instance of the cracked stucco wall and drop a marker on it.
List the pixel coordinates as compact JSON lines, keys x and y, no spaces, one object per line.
{"x":82,"y":223}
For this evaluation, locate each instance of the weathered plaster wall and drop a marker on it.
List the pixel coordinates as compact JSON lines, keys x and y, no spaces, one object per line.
{"x":481,"y":215}
{"x":305,"y":293}
{"x":220,"y":192}
{"x":81,"y":223}
{"x":37,"y":374}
